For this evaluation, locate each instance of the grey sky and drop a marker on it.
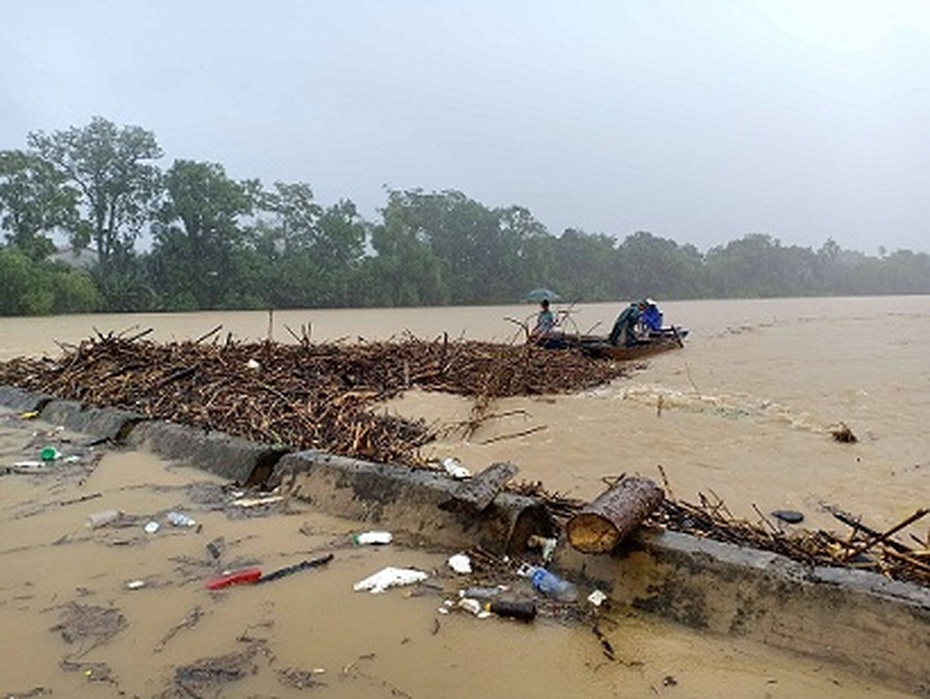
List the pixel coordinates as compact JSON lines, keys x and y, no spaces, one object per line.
{"x":697,"y":120}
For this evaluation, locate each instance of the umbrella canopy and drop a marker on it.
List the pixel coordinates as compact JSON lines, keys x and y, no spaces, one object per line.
{"x":537,"y":295}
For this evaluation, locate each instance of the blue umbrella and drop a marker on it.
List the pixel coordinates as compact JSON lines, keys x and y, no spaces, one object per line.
{"x":537,"y":295}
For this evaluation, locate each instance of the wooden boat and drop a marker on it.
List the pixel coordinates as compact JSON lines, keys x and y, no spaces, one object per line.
{"x":599,"y":346}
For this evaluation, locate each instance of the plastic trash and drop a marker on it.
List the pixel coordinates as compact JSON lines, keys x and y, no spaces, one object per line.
{"x":597,"y":598}
{"x":29,"y":415}
{"x":247,"y":576}
{"x":454,"y":468}
{"x":524,"y":611}
{"x":482,"y":592}
{"x":180,"y":520}
{"x":789,"y":516}
{"x":390,"y":577}
{"x":376,"y":538}
{"x":151,"y":527}
{"x":474,"y":606}
{"x":215,"y":548}
{"x":101,"y":519}
{"x":545,"y":545}
{"x":552,"y":586}
{"x":256,"y":502}
{"x":135,"y":584}
{"x":460,"y":563}
{"x":49,"y":454}
{"x":253,"y":364}
{"x":296,"y":568}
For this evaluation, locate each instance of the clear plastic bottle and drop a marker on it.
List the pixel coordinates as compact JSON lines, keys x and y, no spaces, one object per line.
{"x":180,"y":520}
{"x":376,"y":538}
{"x":552,"y":586}
{"x":480,"y":592}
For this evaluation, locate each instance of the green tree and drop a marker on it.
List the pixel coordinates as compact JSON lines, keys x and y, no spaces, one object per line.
{"x":654,"y":266}
{"x":39,"y":287}
{"x":483,"y":251}
{"x":315,"y":252}
{"x":587,"y":266}
{"x":404,"y":271}
{"x":294,"y":225}
{"x":34,"y":201}
{"x":197,"y":233}
{"x":906,"y":272}
{"x":110,"y":168}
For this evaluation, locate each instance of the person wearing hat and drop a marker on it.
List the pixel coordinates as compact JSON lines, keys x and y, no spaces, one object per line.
{"x":650,"y":316}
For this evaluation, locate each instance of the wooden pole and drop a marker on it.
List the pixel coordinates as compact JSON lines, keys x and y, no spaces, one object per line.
{"x":475,"y":495}
{"x":615,"y":514}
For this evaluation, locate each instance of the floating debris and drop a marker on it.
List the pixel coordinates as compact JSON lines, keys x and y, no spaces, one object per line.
{"x":85,"y":622}
{"x":842,"y":433}
{"x":208,"y":674}
{"x":788,"y":516}
{"x":308,"y":396}
{"x":390,"y":577}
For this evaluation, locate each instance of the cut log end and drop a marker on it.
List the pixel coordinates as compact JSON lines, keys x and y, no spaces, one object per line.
{"x":593,"y":533}
{"x":616,"y":513}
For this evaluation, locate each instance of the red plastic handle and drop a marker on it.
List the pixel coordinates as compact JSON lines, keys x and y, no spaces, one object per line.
{"x":246,"y":576}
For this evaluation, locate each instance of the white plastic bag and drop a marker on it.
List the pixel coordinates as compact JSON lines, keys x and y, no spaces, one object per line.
{"x":390,"y":577}
{"x":460,"y":563}
{"x":454,"y":468}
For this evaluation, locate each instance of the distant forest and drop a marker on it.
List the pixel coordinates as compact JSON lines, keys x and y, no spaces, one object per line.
{"x":218,"y":243}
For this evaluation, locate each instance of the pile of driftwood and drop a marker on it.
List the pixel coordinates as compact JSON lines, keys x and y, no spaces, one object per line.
{"x":325,"y":396}
{"x":599,"y":526}
{"x":305,"y":395}
{"x":861,"y":547}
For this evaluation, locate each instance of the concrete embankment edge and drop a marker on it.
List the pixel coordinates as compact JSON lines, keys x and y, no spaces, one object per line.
{"x":878,"y":626}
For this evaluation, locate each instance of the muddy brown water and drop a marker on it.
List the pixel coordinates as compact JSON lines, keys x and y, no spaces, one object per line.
{"x":743,"y":412}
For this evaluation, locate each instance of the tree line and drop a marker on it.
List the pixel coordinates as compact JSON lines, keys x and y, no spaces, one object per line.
{"x":220,"y":243}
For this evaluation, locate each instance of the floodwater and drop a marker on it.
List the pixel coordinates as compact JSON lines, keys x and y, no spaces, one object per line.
{"x":743,"y":413}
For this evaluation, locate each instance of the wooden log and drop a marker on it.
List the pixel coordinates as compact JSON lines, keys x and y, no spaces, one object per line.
{"x":476,"y":494}
{"x":615,"y":514}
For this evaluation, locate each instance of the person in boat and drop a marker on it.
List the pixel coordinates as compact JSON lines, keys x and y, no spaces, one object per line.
{"x":624,"y":330}
{"x":545,"y":322}
{"x":650,"y":317}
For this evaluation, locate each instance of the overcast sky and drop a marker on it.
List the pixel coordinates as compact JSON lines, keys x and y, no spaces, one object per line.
{"x":696,"y":120}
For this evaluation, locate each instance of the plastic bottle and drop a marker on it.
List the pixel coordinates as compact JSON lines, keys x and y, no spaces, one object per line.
{"x":101,"y":519}
{"x":524,"y":611}
{"x":552,"y":586}
{"x":480,"y":592}
{"x":180,"y":520}
{"x":376,"y":538}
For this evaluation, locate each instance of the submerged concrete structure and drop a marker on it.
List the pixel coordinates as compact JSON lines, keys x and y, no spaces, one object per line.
{"x":860,"y":619}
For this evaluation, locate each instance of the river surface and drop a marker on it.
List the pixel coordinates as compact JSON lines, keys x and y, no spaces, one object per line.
{"x":743,"y":413}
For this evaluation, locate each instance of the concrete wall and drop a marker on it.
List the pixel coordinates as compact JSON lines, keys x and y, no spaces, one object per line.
{"x":858,"y":618}
{"x":879,"y":626}
{"x":412,"y":500}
